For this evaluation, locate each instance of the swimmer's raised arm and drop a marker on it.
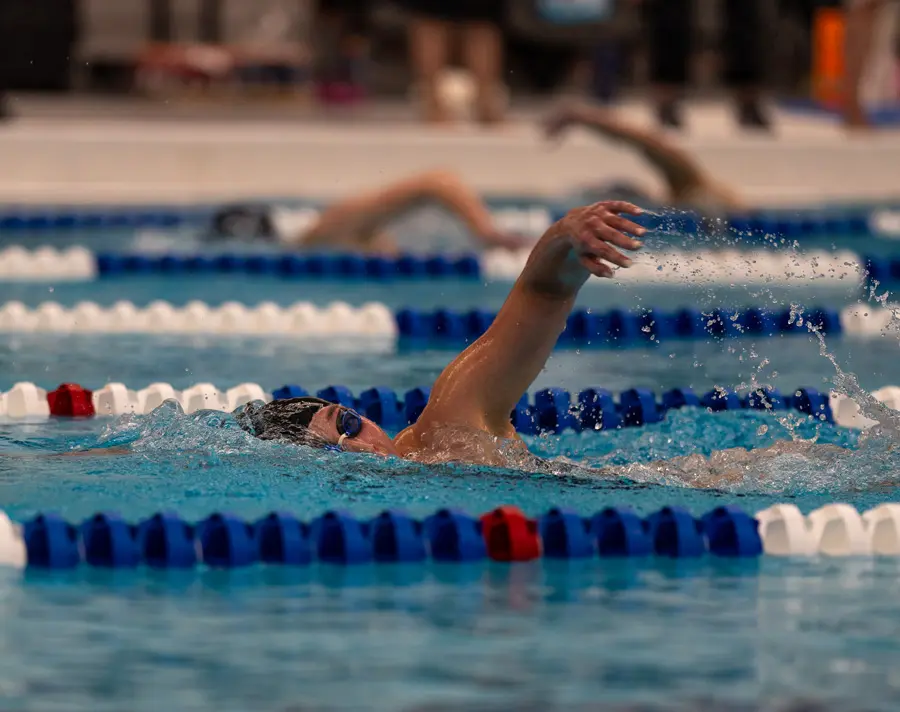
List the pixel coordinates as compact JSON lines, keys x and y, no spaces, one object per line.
{"x":482,"y":385}
{"x":684,"y":176}
{"x":361,"y":220}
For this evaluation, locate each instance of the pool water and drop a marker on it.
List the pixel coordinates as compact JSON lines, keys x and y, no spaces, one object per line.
{"x":416,"y":637}
{"x":543,"y":636}
{"x":500,"y":638}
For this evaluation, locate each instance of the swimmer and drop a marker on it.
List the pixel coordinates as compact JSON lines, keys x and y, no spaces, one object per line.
{"x":359,"y":223}
{"x":467,"y":418}
{"x":689,"y":186}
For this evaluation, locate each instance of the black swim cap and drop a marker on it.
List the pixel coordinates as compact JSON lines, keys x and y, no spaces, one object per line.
{"x":243,"y":222}
{"x":285,"y":420}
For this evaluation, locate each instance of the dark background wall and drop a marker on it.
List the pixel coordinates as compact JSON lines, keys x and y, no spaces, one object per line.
{"x":36,"y":40}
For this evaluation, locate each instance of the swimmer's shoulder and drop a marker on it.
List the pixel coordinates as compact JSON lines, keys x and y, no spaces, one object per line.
{"x":458,"y":443}
{"x":407,"y":442}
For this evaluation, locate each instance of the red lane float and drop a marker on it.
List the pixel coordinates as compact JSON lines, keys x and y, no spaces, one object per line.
{"x":510,"y":536}
{"x":72,"y":401}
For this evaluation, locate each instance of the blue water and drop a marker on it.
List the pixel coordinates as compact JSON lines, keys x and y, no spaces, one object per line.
{"x":782,"y":362}
{"x":434,"y":637}
{"x":664,"y":634}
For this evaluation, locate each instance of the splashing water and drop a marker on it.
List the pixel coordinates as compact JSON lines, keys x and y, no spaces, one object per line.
{"x":749,"y":451}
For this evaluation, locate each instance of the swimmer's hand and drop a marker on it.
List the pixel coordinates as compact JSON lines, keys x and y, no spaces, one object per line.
{"x":581,"y":244}
{"x":595,"y":231}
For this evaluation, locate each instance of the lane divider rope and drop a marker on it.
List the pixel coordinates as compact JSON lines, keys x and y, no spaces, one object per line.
{"x":160,"y":317}
{"x":669,"y":267}
{"x":18,"y":264}
{"x":549,"y":410}
{"x":506,"y":534}
{"x":376,"y":320}
{"x":525,"y":215}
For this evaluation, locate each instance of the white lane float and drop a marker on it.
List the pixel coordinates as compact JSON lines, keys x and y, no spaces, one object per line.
{"x":12,"y":546}
{"x":784,"y":531}
{"x":369,"y":321}
{"x":18,"y":264}
{"x":847,"y":412}
{"x":868,"y":320}
{"x":883,"y":526}
{"x":27,"y":402}
{"x":836,"y":530}
{"x":117,"y":399}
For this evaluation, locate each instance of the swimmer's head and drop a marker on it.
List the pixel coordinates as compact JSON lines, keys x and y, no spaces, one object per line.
{"x":316,"y":423}
{"x":243,"y":222}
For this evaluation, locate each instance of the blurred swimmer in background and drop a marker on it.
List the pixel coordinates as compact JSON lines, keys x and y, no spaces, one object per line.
{"x":688,"y":185}
{"x":360,"y":223}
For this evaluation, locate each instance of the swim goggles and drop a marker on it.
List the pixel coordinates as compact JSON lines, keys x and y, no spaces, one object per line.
{"x":349,"y":425}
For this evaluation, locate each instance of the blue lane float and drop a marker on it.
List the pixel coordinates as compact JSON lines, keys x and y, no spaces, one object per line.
{"x":621,"y":328}
{"x":294,"y":266}
{"x":226,"y":541}
{"x":620,"y":532}
{"x":800,"y":223}
{"x":555,"y":410}
{"x":350,"y":267}
{"x":165,"y":541}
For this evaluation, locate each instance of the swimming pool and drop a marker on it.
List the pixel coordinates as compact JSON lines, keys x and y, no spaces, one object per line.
{"x":544,"y":635}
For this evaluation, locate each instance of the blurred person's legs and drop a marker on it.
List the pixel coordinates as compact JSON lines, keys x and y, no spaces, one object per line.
{"x":433,"y":27}
{"x":861,"y":19}
{"x":341,"y":27}
{"x":5,"y":112}
{"x":429,"y":42}
{"x":483,"y":55}
{"x":743,"y":38}
{"x":670,"y":24}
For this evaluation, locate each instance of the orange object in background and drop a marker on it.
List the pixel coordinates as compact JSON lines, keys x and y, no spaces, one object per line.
{"x":828,"y":56}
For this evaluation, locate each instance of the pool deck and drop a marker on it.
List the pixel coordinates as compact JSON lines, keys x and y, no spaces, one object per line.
{"x":107,"y":150}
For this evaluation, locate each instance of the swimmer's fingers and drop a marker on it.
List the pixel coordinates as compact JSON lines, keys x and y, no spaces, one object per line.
{"x":625,"y":225}
{"x":617,"y":206}
{"x":603,"y":250}
{"x":596,"y":266}
{"x":608,"y":230}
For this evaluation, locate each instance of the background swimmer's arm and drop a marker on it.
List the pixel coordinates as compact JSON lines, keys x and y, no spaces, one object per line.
{"x":483,"y":384}
{"x":361,"y":219}
{"x":684,"y":175}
